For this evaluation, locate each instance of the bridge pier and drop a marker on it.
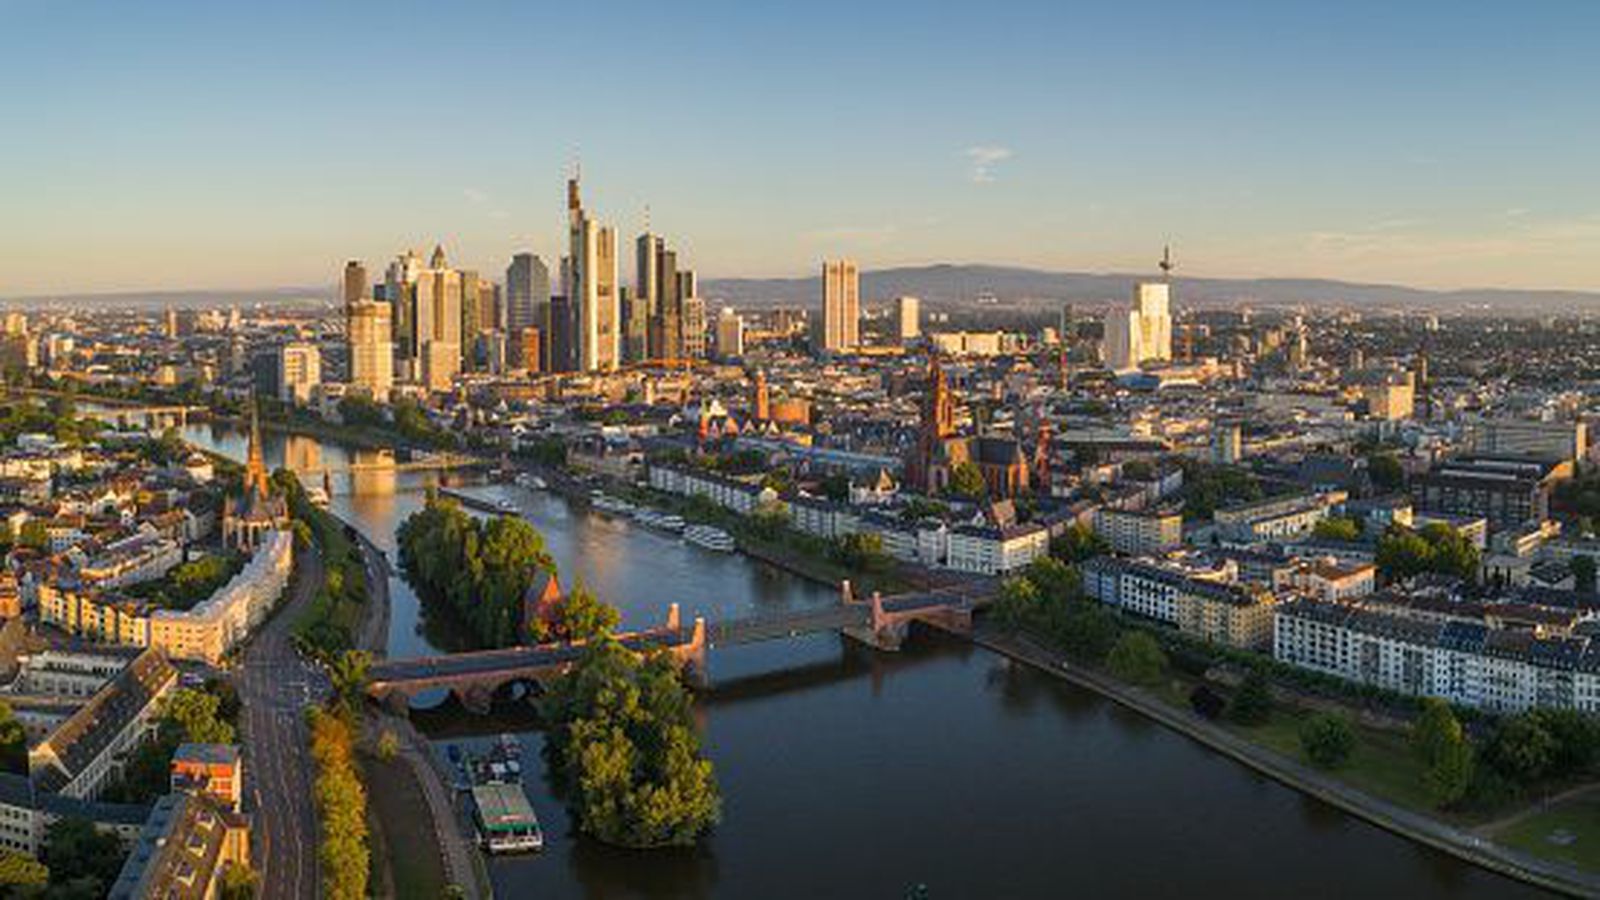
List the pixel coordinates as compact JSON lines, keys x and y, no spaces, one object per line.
{"x":477,"y":699}
{"x":397,"y":702}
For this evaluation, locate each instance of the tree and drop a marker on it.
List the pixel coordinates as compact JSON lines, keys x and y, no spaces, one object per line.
{"x":83,"y":857}
{"x":1137,"y":658}
{"x":13,"y":742}
{"x":861,"y":551}
{"x":21,"y":870}
{"x":192,"y":716}
{"x":1522,"y":749}
{"x":1450,"y":774}
{"x":348,"y":674}
{"x":1435,"y":729}
{"x":1327,"y":739}
{"x":34,"y":535}
{"x":1078,"y":542}
{"x":966,"y":481}
{"x":388,"y":745}
{"x":624,"y":752}
{"x":1338,"y":528}
{"x":1252,"y":702}
{"x":582,"y":617}
{"x":239,"y":882}
{"x":1583,"y":573}
{"x":1387,"y":475}
{"x":1018,"y":603}
{"x":341,"y":804}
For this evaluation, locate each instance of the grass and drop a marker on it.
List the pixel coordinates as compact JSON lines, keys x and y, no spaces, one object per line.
{"x":1576,"y":822}
{"x":404,"y":840}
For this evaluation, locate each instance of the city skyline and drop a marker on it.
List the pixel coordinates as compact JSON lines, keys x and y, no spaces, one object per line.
{"x":1453,"y":155}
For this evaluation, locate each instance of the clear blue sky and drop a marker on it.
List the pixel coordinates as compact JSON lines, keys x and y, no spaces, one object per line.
{"x":188,"y":144}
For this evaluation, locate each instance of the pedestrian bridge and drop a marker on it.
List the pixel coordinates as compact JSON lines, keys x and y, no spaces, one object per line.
{"x":474,"y":678}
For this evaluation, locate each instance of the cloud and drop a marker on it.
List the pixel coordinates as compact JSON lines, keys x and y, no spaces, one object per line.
{"x":475,"y":196}
{"x":983,"y":159}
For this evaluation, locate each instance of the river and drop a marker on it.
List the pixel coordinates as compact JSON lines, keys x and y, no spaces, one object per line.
{"x":848,"y":773}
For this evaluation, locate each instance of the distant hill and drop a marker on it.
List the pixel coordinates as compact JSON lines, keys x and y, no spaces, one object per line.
{"x":947,"y":284}
{"x":178,"y":299}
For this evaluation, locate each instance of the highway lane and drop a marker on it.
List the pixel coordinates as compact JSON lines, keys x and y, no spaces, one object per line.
{"x":275,"y":686}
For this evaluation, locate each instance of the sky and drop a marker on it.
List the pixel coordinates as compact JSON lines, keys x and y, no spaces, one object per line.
{"x":172,"y":145}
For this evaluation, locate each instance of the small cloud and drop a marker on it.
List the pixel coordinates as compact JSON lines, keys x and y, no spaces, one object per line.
{"x":983,"y":159}
{"x":475,"y":196}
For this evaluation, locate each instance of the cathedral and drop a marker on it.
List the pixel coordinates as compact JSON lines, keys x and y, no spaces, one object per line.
{"x":257,"y":509}
{"x":1002,"y":461}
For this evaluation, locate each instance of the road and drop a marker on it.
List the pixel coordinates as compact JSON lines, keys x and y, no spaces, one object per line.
{"x":275,"y":686}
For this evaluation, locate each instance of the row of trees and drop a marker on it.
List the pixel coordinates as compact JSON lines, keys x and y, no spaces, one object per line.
{"x":479,"y":569}
{"x":190,"y":582}
{"x":341,"y":803}
{"x":326,"y":629}
{"x":624,"y":751}
{"x":1047,"y":598}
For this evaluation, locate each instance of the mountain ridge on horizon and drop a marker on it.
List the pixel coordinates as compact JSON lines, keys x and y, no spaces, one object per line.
{"x":945,"y":284}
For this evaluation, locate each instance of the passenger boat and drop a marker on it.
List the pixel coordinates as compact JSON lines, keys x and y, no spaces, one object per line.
{"x":657,"y":519}
{"x":710,"y":537}
{"x":505,"y":819}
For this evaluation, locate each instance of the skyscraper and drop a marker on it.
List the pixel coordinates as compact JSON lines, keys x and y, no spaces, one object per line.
{"x":841,"y":307}
{"x":370,"y":333}
{"x":527,"y":305}
{"x":400,"y":289}
{"x":299,"y":370}
{"x":438,"y":322}
{"x":355,"y":282}
{"x":592,"y":286}
{"x":1143,"y":332}
{"x":644,"y":305}
{"x":730,"y":334}
{"x":563,"y":355}
{"x":907,"y":318}
{"x":694,"y":328}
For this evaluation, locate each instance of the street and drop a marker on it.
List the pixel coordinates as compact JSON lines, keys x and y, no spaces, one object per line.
{"x":275,"y":686}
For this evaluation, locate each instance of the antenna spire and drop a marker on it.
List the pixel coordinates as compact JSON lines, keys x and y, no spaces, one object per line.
{"x":1166,"y":263}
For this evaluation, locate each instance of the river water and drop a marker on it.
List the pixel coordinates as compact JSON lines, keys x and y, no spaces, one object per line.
{"x":848,"y":773}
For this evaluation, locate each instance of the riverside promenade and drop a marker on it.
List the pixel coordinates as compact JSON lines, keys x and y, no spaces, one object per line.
{"x":1458,"y":842}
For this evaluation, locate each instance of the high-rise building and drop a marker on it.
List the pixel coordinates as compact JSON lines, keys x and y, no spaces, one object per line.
{"x":662,"y":289}
{"x":355,"y":282}
{"x":525,"y":351}
{"x":694,"y":328}
{"x":480,"y":313}
{"x":299,"y":370}
{"x":592,"y":287}
{"x":907,"y":318}
{"x":840,"y":324}
{"x":760,"y":401}
{"x":645,"y":304}
{"x":437,"y":324}
{"x":563,"y":352}
{"x":170,"y":323}
{"x":400,"y":290}
{"x":730,"y":334}
{"x":527,"y":305}
{"x":1143,"y":332}
{"x":370,"y":333}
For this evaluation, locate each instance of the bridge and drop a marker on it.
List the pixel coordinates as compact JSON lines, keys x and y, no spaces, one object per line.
{"x":474,"y":678}
{"x":154,"y":416}
{"x":431,"y":462}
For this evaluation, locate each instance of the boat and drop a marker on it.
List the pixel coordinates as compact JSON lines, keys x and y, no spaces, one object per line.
{"x":610,"y":504}
{"x":657,"y":519}
{"x":505,"y":819}
{"x":710,"y":537}
{"x":318,"y":496}
{"x":506,"y":506}
{"x":530,"y":480}
{"x":501,"y":763}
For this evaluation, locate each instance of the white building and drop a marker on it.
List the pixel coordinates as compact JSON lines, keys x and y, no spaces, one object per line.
{"x":907,"y":318}
{"x":370,"y":333}
{"x":1142,"y":333}
{"x":299,"y":371}
{"x":730,"y":334}
{"x":840,"y":322}
{"x":996,"y":551}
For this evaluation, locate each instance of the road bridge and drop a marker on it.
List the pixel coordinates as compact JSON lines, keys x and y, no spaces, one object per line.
{"x":474,"y":678}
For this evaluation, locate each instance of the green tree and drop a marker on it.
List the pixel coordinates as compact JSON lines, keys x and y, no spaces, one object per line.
{"x":862,"y":552}
{"x":1252,"y":702}
{"x":1403,"y":554}
{"x":583,"y":617}
{"x":348,"y":675}
{"x":34,"y":535}
{"x":966,"y":481}
{"x":192,"y":716}
{"x":624,"y":752}
{"x":21,"y":870}
{"x":1078,"y":542}
{"x":81,"y":857}
{"x":1018,"y":603}
{"x":1327,"y":739}
{"x":239,"y":882}
{"x":1137,"y":658}
{"x":1450,"y":774}
{"x":1522,"y":749}
{"x":1338,"y":528}
{"x":1387,"y":475}
{"x":13,"y":742}
{"x":1435,"y":729}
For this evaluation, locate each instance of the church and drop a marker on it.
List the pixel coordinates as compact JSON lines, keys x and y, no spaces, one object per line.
{"x":1003,"y":461}
{"x":249,"y":516}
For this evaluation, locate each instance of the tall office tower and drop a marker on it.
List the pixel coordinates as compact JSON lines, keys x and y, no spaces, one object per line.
{"x":355,"y":282}
{"x":525,"y":352}
{"x":646,"y":301}
{"x":400,"y":289}
{"x":730,"y":334}
{"x":480,"y":312}
{"x":660,"y":288}
{"x":170,"y":323}
{"x":299,"y":370}
{"x":369,"y":333}
{"x":1142,"y":333}
{"x":841,"y":307}
{"x":907,"y":318}
{"x":563,"y":352}
{"x":592,"y":287}
{"x":694,"y":328}
{"x":527,"y":304}
{"x":438,"y":322}
{"x":688,"y":284}
{"x":635,"y":327}
{"x":1069,"y":327}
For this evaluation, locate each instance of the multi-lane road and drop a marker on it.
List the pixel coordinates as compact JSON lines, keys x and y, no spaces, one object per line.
{"x":275,"y":686}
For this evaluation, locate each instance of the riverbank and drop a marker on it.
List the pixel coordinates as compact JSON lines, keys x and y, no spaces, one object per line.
{"x":1460,"y":843}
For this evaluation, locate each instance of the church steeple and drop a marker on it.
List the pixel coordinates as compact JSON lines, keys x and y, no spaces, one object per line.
{"x":255,"y":470}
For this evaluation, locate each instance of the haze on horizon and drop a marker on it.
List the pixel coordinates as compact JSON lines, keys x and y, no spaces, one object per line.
{"x":191,"y":144}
